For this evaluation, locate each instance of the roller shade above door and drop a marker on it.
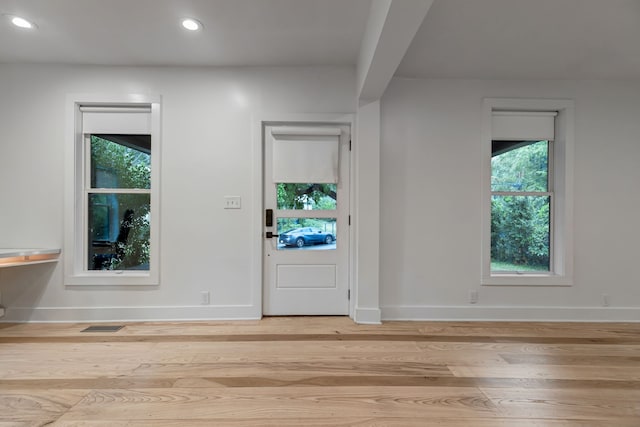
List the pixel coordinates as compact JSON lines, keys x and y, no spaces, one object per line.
{"x":305,"y":155}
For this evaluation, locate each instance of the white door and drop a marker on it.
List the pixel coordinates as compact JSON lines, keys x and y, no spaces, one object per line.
{"x":306,"y":220}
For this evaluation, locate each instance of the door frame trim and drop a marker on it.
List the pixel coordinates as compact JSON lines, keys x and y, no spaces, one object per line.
{"x":257,"y":135}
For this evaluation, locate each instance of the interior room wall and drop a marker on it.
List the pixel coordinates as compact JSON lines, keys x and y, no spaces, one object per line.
{"x":430,"y":193}
{"x":431,"y":203}
{"x":209,"y":121}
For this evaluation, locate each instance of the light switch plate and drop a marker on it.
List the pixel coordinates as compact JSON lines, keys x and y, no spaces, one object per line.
{"x":232,"y":202}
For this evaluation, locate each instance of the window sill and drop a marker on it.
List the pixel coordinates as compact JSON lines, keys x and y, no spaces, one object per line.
{"x":526,"y":280}
{"x":116,"y":278}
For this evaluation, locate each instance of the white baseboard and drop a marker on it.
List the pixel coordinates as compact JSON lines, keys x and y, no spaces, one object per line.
{"x":123,"y":314}
{"x":510,"y":313}
{"x":371,"y":316}
{"x":361,"y":315}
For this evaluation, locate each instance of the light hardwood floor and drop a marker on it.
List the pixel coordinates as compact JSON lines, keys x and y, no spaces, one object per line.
{"x":322,"y":371}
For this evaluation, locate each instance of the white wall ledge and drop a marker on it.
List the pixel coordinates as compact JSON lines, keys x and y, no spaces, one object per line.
{"x":11,"y":257}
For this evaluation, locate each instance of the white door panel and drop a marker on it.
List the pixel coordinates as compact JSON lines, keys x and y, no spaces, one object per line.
{"x":306,"y":262}
{"x":306,"y":276}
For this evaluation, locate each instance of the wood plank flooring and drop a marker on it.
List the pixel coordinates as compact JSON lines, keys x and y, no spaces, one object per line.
{"x":321,"y":371}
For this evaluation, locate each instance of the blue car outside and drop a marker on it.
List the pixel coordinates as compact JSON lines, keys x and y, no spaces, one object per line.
{"x":305,"y":236}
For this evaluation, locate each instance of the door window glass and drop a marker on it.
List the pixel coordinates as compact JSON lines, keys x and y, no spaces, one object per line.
{"x":306,"y":196}
{"x":306,"y":233}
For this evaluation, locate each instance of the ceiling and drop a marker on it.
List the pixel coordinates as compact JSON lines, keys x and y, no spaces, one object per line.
{"x":148,"y":32}
{"x":527,"y":39}
{"x":488,"y":39}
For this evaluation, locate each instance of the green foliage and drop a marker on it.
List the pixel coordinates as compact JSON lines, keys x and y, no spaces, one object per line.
{"x":520,"y":225}
{"x":136,"y":248}
{"x":520,"y":230}
{"x":306,"y":196}
{"x":117,"y":166}
{"x":522,"y":169}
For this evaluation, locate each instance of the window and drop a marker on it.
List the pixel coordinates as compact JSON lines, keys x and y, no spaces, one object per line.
{"x":307,"y":196}
{"x":527,"y":176}
{"x":307,"y":233}
{"x":305,"y":169}
{"x":118,"y":201}
{"x":113,"y":194}
{"x":521,"y":200}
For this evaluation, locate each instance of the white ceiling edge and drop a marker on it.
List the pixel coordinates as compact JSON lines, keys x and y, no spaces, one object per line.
{"x":391,"y":27}
{"x":527,"y":40}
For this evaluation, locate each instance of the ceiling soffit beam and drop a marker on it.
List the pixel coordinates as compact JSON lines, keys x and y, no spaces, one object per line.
{"x":391,"y":27}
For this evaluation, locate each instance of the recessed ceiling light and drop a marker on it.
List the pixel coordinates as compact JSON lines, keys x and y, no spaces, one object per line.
{"x":20,"y":22}
{"x":191,"y":24}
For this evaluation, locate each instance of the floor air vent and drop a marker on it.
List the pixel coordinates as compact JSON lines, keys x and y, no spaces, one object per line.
{"x":103,"y":328}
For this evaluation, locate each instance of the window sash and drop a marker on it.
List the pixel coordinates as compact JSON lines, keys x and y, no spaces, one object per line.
{"x":522,"y":193}
{"x":550,"y":194}
{"x":551,"y":198}
{"x":88,"y":190}
{"x":86,"y":233}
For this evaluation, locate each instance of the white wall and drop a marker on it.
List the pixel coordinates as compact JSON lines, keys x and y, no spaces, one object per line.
{"x":429,"y":194}
{"x":431,"y":203}
{"x":209,"y":119}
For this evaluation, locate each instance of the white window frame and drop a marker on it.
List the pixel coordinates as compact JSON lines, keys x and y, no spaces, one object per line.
{"x":76,"y":271}
{"x":561,"y":172}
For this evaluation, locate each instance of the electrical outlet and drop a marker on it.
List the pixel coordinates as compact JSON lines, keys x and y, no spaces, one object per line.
{"x":473,"y":297}
{"x":605,"y":300}
{"x":205,"y":298}
{"x":232,"y":202}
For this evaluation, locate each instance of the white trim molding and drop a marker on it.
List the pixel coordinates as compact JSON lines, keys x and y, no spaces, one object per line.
{"x":281,"y":119}
{"x":511,"y":313}
{"x":75,"y":272}
{"x":368,"y":316}
{"x":126,"y":314}
{"x":563,"y":160}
